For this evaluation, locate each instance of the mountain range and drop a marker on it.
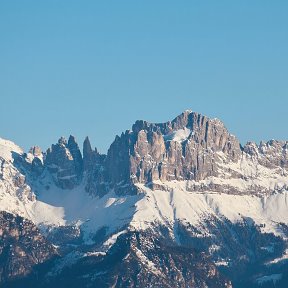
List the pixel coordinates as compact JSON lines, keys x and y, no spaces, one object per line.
{"x":175,"y":204}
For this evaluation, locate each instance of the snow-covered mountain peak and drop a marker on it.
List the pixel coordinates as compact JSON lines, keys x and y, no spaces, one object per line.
{"x":163,"y":191}
{"x":7,"y":148}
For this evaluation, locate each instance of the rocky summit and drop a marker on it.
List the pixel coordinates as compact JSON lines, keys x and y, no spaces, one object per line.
{"x":175,"y":204}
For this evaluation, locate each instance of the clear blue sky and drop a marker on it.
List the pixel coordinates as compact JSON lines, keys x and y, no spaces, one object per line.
{"x":94,"y":67}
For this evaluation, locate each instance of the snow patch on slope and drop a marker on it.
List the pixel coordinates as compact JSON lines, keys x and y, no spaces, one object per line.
{"x":281,"y":259}
{"x":148,"y":263}
{"x":93,"y":213}
{"x":179,"y":135}
{"x":274,"y":278}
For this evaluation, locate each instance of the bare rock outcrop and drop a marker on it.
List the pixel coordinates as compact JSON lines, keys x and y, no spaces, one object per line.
{"x":190,"y":147}
{"x":183,"y":149}
{"x":271,"y":154}
{"x":94,"y":170}
{"x":22,"y":247}
{"x":64,"y":162}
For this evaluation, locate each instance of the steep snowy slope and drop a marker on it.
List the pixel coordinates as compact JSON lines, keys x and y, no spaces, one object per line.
{"x":16,"y":196}
{"x":54,"y":206}
{"x":7,"y":148}
{"x":176,"y":204}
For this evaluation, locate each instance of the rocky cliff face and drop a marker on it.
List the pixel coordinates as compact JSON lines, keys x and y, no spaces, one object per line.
{"x":183,"y":149}
{"x":94,"y":170}
{"x":68,"y":167}
{"x":190,"y":147}
{"x":272,"y":154}
{"x":64,"y":162}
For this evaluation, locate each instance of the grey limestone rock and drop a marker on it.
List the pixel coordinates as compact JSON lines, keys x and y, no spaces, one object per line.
{"x":183,"y":149}
{"x":94,"y":170}
{"x":36,"y":151}
{"x":64,"y":161}
{"x":190,"y":147}
{"x":271,"y":154}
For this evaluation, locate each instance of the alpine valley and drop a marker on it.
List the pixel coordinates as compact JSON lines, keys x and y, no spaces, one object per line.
{"x":175,"y":204}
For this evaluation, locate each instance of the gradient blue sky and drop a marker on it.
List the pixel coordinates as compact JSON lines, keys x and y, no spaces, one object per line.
{"x":94,"y":67}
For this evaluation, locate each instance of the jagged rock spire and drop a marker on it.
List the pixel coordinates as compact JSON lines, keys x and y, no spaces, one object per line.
{"x":35,"y":151}
{"x":87,"y":148}
{"x":76,"y":154}
{"x":90,"y":156}
{"x":62,"y":141}
{"x":64,"y":161}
